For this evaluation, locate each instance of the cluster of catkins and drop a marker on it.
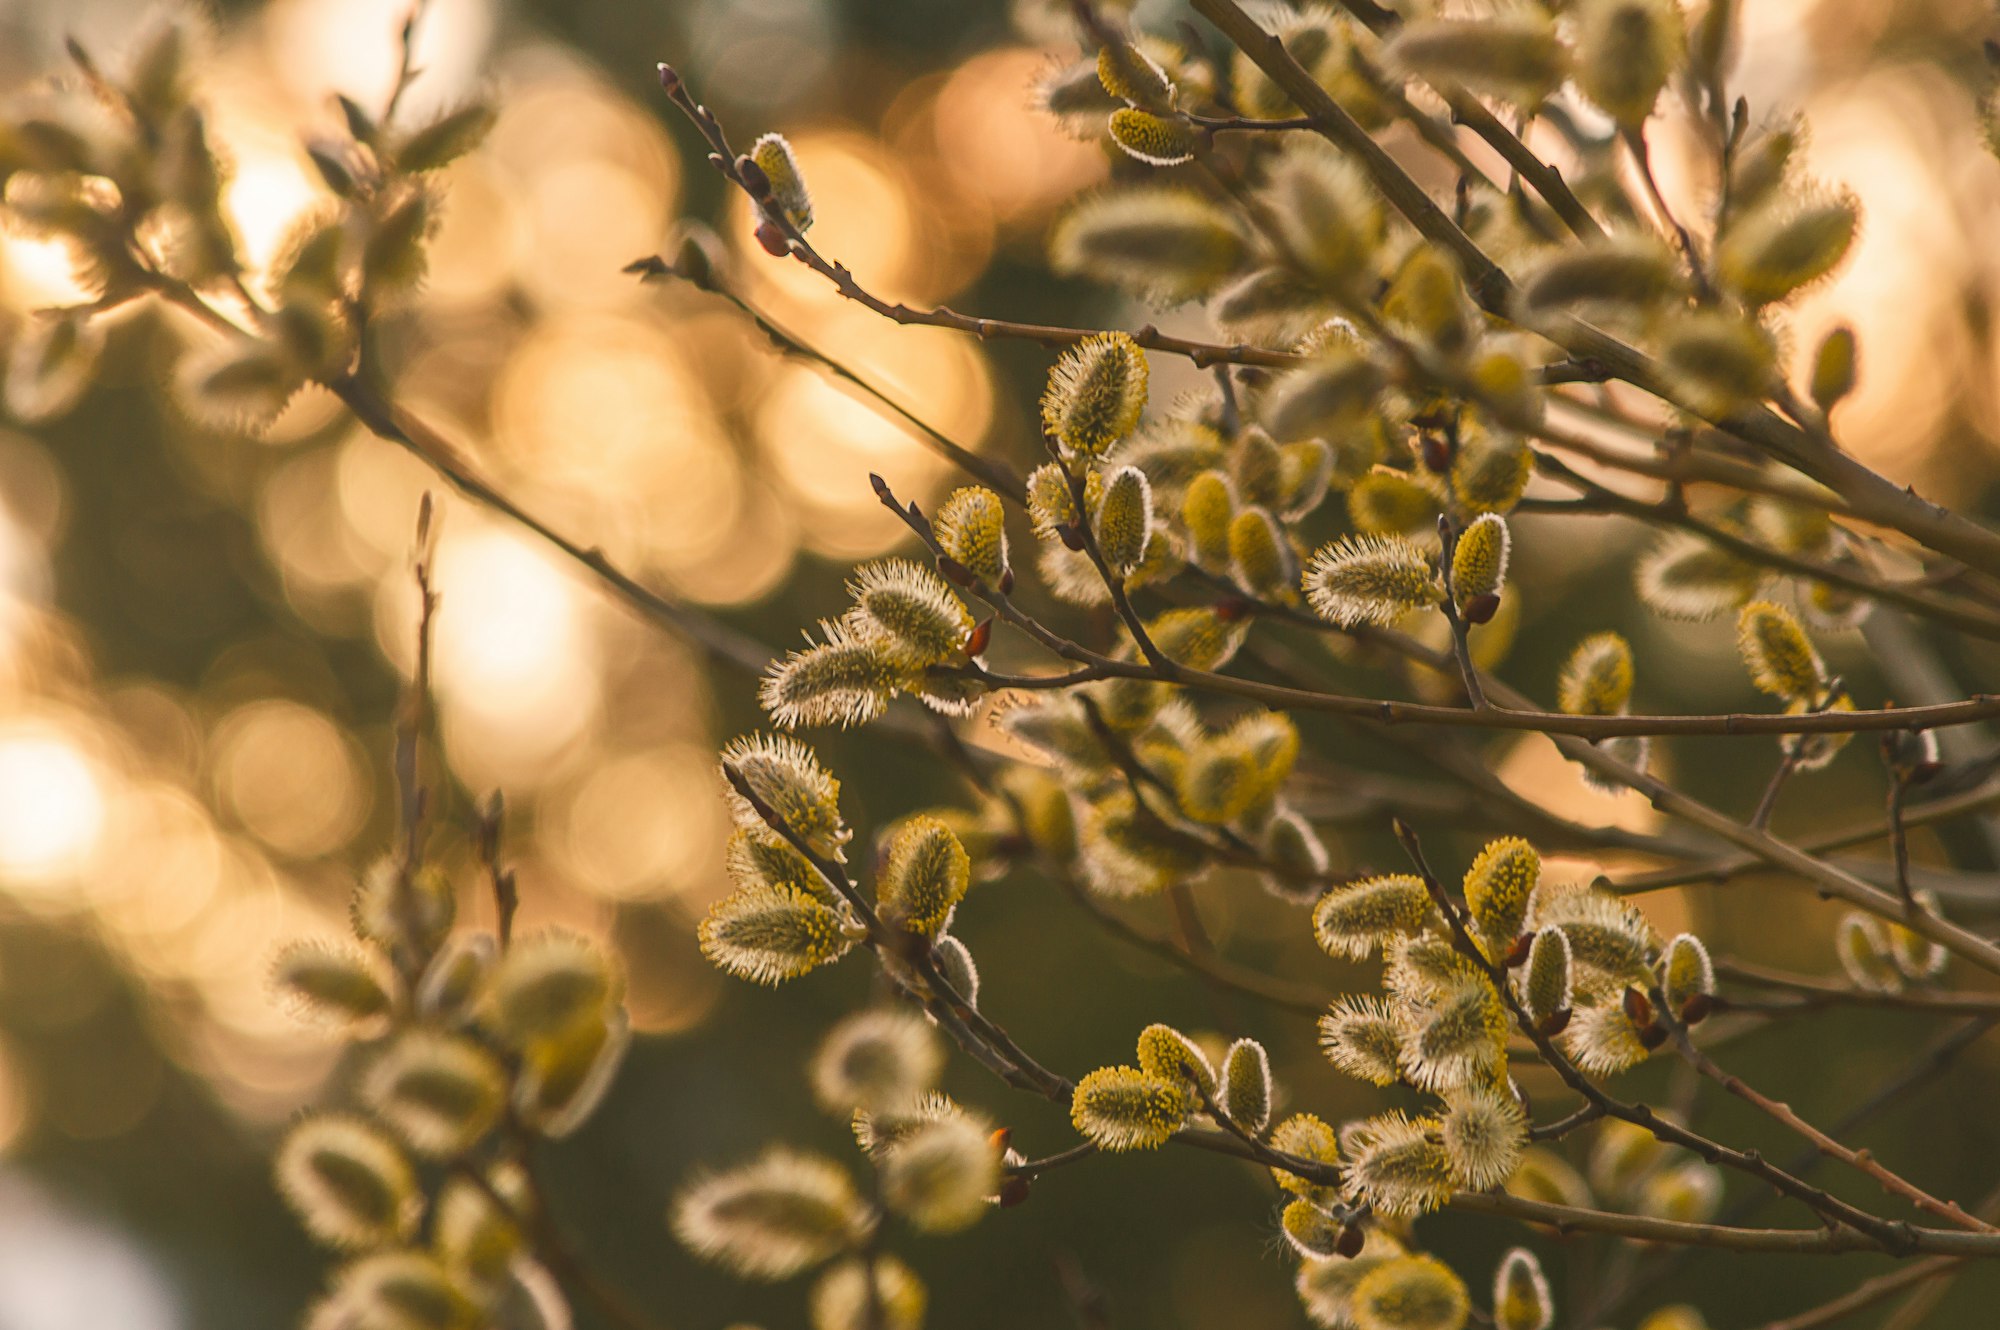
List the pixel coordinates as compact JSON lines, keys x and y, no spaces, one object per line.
{"x":466,"y":1052}
{"x":939,"y":1167}
{"x":121,"y":171}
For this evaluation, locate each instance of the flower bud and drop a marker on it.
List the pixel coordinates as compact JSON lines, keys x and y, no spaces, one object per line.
{"x":788,"y":192}
{"x":1123,"y":1108}
{"x":1625,"y":52}
{"x":1312,"y":1232}
{"x":1161,"y":242}
{"x":1398,"y":1167}
{"x":53,"y":360}
{"x":956,"y":967}
{"x":971,"y":527}
{"x":1156,"y":140}
{"x":1483,"y":1130}
{"x":1327,"y":218}
{"x":1479,"y":559}
{"x":1360,"y":1037}
{"x":1389,"y":503}
{"x":393,"y":260}
{"x":846,"y":680}
{"x":1686,"y":971}
{"x":347,"y":1182}
{"x":1125,"y":519}
{"x":1546,"y":990}
{"x":456,"y":977}
{"x":440,"y":1092}
{"x":1779,"y":248}
{"x":408,"y":1290}
{"x":1166,"y":1053}
{"x":1246,"y":1085}
{"x":1685,"y":577}
{"x":446,"y":139}
{"x":472,"y":1235}
{"x":1833,"y":370}
{"x":1206,"y":512}
{"x":1309,"y":1138}
{"x":1514,"y":56}
{"x":774,"y":1217}
{"x":1719,"y":361}
{"x":1497,"y":887}
{"x":787,"y":778}
{"x":1781,"y":660}
{"x":1353,"y":920}
{"x":546,"y":984}
{"x":1490,"y":474}
{"x":771,"y":934}
{"x":841,"y":1300}
{"x":1370,"y":579}
{"x":335,"y":985}
{"x":924,"y":876}
{"x":1320,"y":399}
{"x":1131,"y":75}
{"x":1259,"y":556}
{"x":1625,"y":271}
{"x":1521,"y":1299}
{"x":1096,"y":393}
{"x":940,"y":1174}
{"x":564,"y":1079}
{"x":1197,"y":638}
{"x":1597,"y":678}
{"x":1862,"y":945}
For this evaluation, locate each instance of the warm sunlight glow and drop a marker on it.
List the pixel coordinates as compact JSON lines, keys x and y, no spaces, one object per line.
{"x":52,"y":808}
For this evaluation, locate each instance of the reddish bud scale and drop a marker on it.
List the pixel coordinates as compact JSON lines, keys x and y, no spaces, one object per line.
{"x":1482,"y":608}
{"x":1697,"y":1008}
{"x":1352,"y":1238}
{"x":773,"y":239}
{"x":755,"y":179}
{"x":978,"y":639}
{"x":1637,"y":1007}
{"x":1231,"y":609}
{"x":1437,"y":454}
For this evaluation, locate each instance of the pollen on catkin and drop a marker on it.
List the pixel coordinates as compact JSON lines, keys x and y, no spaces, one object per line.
{"x":1096,"y":393}
{"x":1497,"y":887}
{"x":1308,"y":1137}
{"x":971,"y":527}
{"x":1157,"y":140}
{"x":773,"y":1217}
{"x":1605,"y":933}
{"x":1359,"y":1035}
{"x":771,"y":934}
{"x":1206,"y":511}
{"x":1603,"y":1040}
{"x":1776,"y":651}
{"x":924,"y":876}
{"x":1125,"y":519}
{"x":1521,"y":1299}
{"x":1479,"y":559}
{"x":787,"y":776}
{"x":773,"y":155}
{"x":1370,"y":579}
{"x":1129,"y":74}
{"x":1123,"y":1108}
{"x":1170,"y":1055}
{"x":1352,"y":920}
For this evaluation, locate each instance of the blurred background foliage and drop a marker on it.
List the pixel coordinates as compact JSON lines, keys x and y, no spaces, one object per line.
{"x":202,"y":635}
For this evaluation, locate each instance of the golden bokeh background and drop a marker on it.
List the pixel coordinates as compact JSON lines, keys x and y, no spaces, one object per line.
{"x":202,"y":635}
